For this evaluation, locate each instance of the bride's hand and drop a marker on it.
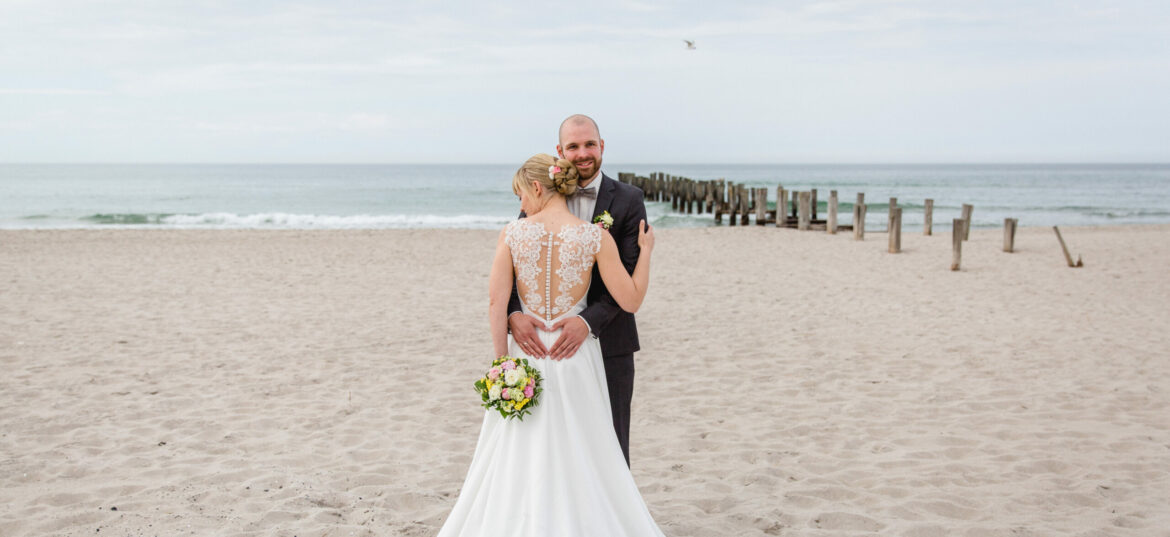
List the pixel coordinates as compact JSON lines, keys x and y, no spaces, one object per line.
{"x":645,"y":236}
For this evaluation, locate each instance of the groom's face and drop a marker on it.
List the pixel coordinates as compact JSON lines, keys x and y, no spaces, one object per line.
{"x":582,"y":145}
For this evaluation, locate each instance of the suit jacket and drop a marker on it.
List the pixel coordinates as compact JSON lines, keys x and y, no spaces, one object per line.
{"x":607,"y":320}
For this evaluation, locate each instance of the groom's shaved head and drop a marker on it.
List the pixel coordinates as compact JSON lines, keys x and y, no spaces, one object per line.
{"x":580,"y":142}
{"x":576,"y":120}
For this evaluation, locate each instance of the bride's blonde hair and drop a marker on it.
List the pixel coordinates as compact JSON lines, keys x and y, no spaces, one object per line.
{"x":555,"y":175}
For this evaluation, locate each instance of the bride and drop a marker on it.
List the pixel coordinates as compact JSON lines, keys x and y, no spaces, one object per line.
{"x":560,"y":472}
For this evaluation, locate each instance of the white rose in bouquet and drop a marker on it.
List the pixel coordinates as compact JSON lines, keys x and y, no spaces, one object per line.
{"x":513,"y":377}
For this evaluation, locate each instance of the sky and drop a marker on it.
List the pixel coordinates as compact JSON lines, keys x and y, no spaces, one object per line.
{"x":489,"y":82}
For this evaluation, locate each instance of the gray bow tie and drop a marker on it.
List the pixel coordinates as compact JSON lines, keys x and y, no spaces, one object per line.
{"x":590,"y":193}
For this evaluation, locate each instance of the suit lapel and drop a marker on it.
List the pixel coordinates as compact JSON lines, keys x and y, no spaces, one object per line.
{"x":604,"y":196}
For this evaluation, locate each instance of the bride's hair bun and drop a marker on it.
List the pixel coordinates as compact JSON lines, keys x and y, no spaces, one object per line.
{"x":553,"y":174}
{"x":566,"y":179}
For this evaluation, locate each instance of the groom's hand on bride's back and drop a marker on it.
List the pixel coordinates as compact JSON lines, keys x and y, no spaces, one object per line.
{"x":574,"y":334}
{"x":524,"y":331}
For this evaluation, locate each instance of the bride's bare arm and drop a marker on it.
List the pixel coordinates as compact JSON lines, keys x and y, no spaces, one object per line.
{"x":627,"y":290}
{"x":499,"y":291}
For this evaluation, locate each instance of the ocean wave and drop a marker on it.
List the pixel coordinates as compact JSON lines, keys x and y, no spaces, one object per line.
{"x":126,"y":218}
{"x":1129,"y":213}
{"x":295,"y":221}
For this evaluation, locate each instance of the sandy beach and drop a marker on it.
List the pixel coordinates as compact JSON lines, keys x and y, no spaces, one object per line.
{"x":318,"y":383}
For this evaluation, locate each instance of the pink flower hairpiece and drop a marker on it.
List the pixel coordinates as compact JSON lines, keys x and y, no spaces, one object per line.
{"x":553,"y":170}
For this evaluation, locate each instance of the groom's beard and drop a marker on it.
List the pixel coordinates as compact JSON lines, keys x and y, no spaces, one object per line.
{"x":595,"y":169}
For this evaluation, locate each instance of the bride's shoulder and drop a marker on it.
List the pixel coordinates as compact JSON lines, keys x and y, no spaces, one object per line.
{"x":522,"y":229}
{"x":519,"y":223}
{"x":590,"y":234}
{"x":593,"y":230}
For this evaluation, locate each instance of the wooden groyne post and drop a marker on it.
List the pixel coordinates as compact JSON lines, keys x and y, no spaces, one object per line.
{"x":781,"y":206}
{"x":895,"y":227}
{"x":928,"y":218}
{"x":958,"y":230}
{"x":1009,"y":234}
{"x":966,"y":215}
{"x":859,"y":217}
{"x":673,"y":190}
{"x":1064,"y":248}
{"x":719,"y":205}
{"x":761,"y":206}
{"x":803,"y":220}
{"x":732,"y":203}
{"x":717,"y":189}
{"x":832,"y":225}
{"x":744,"y":205}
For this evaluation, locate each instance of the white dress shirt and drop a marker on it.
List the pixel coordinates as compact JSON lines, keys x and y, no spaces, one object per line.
{"x":581,"y":206}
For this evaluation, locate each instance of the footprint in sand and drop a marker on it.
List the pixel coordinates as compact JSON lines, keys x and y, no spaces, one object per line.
{"x":845,"y":521}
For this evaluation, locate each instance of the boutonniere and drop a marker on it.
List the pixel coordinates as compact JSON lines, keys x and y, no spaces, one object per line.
{"x":603,"y":220}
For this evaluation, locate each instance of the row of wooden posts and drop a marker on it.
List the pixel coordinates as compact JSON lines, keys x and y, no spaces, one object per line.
{"x":739,"y":202}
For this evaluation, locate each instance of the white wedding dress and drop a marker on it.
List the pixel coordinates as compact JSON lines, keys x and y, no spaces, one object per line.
{"x":560,"y":472}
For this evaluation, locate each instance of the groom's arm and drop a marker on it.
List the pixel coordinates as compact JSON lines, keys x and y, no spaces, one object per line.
{"x":599,"y":314}
{"x":514,"y":301}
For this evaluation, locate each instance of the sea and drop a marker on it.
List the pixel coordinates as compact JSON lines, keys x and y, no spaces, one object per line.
{"x":397,"y":196}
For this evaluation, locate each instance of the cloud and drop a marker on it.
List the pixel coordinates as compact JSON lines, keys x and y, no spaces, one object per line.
{"x":307,"y":123}
{"x":50,"y":91}
{"x":768,"y":72}
{"x":271,"y":74}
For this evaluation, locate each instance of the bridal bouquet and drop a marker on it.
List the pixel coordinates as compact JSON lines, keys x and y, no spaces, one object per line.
{"x":510,"y":386}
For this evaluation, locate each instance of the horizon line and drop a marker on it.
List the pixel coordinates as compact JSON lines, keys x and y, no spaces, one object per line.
{"x":647,"y":163}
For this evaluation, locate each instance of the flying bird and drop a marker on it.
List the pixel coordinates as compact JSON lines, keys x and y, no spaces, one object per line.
{"x":690,"y":44}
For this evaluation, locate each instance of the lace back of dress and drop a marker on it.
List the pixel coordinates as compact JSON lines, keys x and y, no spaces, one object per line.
{"x":552,"y":269}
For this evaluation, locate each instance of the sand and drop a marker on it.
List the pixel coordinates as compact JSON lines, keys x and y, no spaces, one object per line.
{"x":163,"y":382}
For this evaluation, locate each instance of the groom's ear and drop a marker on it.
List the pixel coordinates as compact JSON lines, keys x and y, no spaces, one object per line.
{"x":560,"y":151}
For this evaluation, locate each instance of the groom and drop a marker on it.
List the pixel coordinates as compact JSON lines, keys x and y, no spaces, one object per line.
{"x":580,"y":142}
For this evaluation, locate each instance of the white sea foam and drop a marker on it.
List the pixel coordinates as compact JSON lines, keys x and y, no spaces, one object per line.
{"x":321,"y":221}
{"x":264,"y":221}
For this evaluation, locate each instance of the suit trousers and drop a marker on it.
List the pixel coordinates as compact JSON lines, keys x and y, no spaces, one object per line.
{"x":619,"y":377}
